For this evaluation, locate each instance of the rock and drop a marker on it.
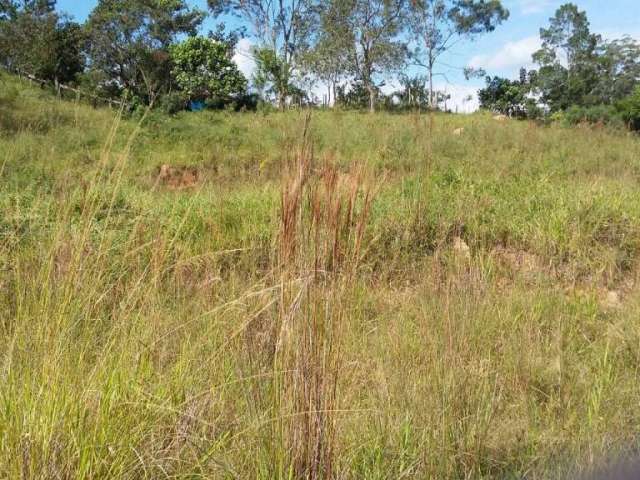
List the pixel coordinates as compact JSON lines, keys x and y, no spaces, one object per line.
{"x":612,"y":300}
{"x":461,"y":248}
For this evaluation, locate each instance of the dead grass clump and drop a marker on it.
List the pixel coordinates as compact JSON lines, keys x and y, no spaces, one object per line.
{"x":323,"y":218}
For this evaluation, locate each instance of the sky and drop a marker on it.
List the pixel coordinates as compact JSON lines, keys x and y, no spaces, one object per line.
{"x":501,"y":52}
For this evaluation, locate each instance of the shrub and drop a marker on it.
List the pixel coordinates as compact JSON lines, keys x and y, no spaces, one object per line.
{"x":629,"y":110}
{"x":173,"y":103}
{"x":604,"y":114}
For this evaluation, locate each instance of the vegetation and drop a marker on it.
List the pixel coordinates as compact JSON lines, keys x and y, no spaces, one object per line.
{"x":340,"y":296}
{"x":580,"y":74}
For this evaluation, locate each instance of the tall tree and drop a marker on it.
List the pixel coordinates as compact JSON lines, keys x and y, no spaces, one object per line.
{"x":437,"y":25}
{"x":283,"y":26}
{"x":330,"y":58}
{"x":374,"y":28}
{"x":619,"y":69}
{"x":129,"y":41}
{"x":568,"y":59}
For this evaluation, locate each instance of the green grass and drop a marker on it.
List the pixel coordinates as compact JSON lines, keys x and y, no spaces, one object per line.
{"x":159,"y":333}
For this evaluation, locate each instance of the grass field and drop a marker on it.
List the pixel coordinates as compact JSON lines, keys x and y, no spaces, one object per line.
{"x":324,"y":295}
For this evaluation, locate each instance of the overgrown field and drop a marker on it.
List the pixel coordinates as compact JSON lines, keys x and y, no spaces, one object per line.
{"x":324,"y":295}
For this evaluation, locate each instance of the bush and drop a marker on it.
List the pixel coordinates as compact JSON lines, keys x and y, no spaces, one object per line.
{"x":173,"y":103}
{"x":629,"y":110}
{"x":604,"y":114}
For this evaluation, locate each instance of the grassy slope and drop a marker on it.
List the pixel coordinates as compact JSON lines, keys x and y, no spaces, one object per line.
{"x":138,"y":321}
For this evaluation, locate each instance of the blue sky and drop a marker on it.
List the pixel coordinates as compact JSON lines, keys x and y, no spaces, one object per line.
{"x":502,"y":52}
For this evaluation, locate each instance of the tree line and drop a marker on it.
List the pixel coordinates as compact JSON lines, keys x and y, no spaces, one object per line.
{"x":151,"y":52}
{"x":580,"y":76}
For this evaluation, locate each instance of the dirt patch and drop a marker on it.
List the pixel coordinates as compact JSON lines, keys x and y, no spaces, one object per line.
{"x":610,"y":299}
{"x":178,"y":178}
{"x":518,"y":260}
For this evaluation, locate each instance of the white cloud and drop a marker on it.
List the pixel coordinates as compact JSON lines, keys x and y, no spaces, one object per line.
{"x":528,"y":7}
{"x":464,"y":98}
{"x":511,"y":55}
{"x":243,"y":57}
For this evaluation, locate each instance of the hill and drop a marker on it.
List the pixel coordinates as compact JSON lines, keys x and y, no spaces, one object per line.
{"x":330,"y":294}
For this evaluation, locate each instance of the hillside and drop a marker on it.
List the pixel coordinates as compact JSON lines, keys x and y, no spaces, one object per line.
{"x":342,"y":295}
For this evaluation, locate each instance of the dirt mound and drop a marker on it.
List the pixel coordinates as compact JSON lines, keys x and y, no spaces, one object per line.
{"x":177,"y":178}
{"x":518,"y":260}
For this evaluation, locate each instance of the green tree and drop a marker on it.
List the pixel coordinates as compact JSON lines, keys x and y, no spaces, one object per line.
{"x":374,"y":29}
{"x":272,"y":76}
{"x":202,"y":69}
{"x":629,"y":109}
{"x":619,"y":69}
{"x":505,"y":96}
{"x":568,"y":60}
{"x":36,"y":39}
{"x":437,"y":25}
{"x":129,"y":42}
{"x":330,"y":59}
{"x":285,"y":27}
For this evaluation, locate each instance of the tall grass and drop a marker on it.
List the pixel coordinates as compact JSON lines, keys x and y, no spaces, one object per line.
{"x":308,"y":309}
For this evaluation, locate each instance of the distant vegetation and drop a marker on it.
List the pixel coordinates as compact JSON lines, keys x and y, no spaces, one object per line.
{"x":151,"y":53}
{"x":582,"y":78}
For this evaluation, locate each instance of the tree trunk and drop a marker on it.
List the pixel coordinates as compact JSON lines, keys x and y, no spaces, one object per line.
{"x":372,"y":98}
{"x":430,"y":85}
{"x":335,"y":98}
{"x":281,"y":101}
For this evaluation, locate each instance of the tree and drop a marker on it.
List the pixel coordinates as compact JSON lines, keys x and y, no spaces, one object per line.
{"x":374,"y":29}
{"x":272,"y":75}
{"x":437,"y":24}
{"x":129,"y":42}
{"x":202,"y":69}
{"x":504,"y":96}
{"x":36,"y":39}
{"x":629,"y":109}
{"x":330,"y":58}
{"x":619,"y":69}
{"x":568,"y":70}
{"x":284,"y":27}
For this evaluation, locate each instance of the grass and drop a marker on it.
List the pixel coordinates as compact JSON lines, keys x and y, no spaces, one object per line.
{"x":309,"y":308}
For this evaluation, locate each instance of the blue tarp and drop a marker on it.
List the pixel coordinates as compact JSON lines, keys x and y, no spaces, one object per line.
{"x":196,"y":105}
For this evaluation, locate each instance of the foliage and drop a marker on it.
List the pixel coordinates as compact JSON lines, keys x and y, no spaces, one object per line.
{"x":501,"y":95}
{"x":202,"y":69}
{"x":272,"y":76}
{"x":372,"y":29}
{"x":629,"y":109}
{"x":173,"y":102}
{"x":330,"y":59}
{"x":285,"y":28}
{"x":578,"y":68}
{"x":595,"y":114}
{"x":129,"y":42}
{"x":37,"y":40}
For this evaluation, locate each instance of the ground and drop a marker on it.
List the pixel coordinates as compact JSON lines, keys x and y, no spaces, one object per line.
{"x":313,"y":295}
